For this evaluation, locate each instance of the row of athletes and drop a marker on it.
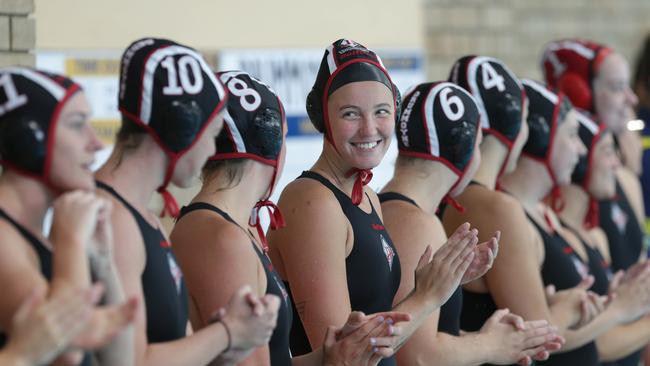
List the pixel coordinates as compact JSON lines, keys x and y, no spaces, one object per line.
{"x":344,"y":276}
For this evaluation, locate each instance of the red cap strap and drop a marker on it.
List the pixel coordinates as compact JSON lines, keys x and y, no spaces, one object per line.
{"x":275,"y":216}
{"x":448,"y":200}
{"x":363,"y":178}
{"x":170,"y":205}
{"x":592,"y":219}
{"x":556,"y":199}
{"x":550,"y":224}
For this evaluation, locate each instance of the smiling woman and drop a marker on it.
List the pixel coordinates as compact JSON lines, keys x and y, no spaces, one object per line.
{"x":350,"y":255}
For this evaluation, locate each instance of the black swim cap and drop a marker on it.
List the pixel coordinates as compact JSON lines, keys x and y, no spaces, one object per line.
{"x":254,"y":121}
{"x":498,"y":93}
{"x":546,"y":110}
{"x":170,"y":91}
{"x":440,"y":122}
{"x":344,"y":62}
{"x":590,"y":133}
{"x":30,"y":104}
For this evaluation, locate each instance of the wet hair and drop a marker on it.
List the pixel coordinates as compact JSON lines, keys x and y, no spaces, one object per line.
{"x":130,"y":134}
{"x":233,"y":168}
{"x":422,"y":166}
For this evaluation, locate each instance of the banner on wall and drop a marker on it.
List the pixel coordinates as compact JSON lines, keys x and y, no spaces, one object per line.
{"x":290,"y":72}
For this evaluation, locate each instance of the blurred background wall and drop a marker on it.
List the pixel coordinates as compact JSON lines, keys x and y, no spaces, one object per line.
{"x":513,"y":30}
{"x":516,"y":30}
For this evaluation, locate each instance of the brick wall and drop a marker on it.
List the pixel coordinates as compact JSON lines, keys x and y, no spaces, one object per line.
{"x":516,"y":30}
{"x":17,"y":32}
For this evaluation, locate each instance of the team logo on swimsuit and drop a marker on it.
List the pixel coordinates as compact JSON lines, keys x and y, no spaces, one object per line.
{"x":175,"y":271}
{"x":581,"y":268}
{"x":619,"y":217}
{"x":388,"y":251}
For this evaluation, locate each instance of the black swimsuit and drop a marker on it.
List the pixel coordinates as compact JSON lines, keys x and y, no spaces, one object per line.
{"x":372,"y":268}
{"x":279,"y":343}
{"x":45,"y":259}
{"x":602,"y":273}
{"x":165,"y":294}
{"x":563,"y":268}
{"x":624,"y":234}
{"x":449,"y":320}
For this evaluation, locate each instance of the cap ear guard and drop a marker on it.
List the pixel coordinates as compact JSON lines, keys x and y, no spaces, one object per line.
{"x":576,"y":89}
{"x":314,"y":111}
{"x":190,"y":114}
{"x":398,"y":103}
{"x":538,"y":126}
{"x":18,"y":134}
{"x":267,"y":137}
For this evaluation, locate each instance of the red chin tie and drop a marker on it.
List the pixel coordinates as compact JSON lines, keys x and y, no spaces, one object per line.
{"x":275,"y":217}
{"x":592,"y":219}
{"x":363,"y":178}
{"x":448,"y":200}
{"x":556,"y":199}
{"x":170,"y":207}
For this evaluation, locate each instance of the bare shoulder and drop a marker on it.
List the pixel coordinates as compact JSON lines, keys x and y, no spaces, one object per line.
{"x":493,"y":210}
{"x":307,"y":204}
{"x":11,"y":239}
{"x":20,"y":271}
{"x":503,"y":203}
{"x":314,"y":220}
{"x":211,"y":235}
{"x":305,"y":191}
{"x":409,"y":226}
{"x":15,"y":251}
